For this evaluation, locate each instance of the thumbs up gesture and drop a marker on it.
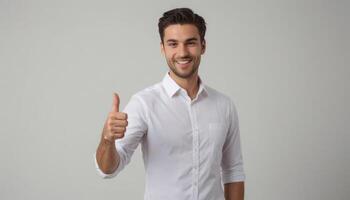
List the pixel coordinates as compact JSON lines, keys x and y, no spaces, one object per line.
{"x":116,"y":122}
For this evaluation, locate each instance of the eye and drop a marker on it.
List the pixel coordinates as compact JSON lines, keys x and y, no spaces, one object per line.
{"x":191,"y":43}
{"x":172,"y":44}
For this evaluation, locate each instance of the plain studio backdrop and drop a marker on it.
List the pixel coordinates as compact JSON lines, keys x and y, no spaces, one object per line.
{"x":285,"y":64}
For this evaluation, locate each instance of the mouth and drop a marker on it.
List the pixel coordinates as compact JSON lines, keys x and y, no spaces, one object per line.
{"x":183,"y":63}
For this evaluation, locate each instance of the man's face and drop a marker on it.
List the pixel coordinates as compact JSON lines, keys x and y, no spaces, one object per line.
{"x":182,"y":49}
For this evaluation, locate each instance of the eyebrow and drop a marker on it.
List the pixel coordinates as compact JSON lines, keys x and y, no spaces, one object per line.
{"x":187,"y":40}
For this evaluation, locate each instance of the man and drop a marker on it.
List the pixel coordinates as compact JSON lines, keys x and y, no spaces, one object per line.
{"x":188,"y":131}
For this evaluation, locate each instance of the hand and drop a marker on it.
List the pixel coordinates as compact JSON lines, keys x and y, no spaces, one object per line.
{"x":116,"y":122}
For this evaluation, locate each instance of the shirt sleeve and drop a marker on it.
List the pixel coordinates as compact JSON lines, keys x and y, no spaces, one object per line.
{"x":135,"y":131}
{"x":232,"y":161}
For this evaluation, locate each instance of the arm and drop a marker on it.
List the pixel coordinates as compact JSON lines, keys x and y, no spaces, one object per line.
{"x":234,"y":191}
{"x":119,"y":138}
{"x":232,"y":162}
{"x":107,"y":156}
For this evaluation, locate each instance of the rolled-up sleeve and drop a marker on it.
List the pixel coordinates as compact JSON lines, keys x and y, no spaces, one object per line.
{"x":232,"y":161}
{"x":135,"y":131}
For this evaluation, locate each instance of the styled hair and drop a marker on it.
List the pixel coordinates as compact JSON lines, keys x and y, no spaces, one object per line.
{"x":181,"y":16}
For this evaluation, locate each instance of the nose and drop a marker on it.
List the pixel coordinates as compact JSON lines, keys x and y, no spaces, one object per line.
{"x":182,"y":51}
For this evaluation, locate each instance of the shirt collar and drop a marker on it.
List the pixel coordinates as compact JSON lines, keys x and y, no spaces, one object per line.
{"x":171,"y":87}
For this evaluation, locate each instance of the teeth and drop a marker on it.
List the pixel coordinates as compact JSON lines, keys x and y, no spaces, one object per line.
{"x":183,"y":62}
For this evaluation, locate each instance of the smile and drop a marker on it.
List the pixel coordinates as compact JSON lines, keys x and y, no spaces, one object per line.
{"x":183,"y":61}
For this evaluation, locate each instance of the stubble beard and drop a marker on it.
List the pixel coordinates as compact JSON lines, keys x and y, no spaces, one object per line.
{"x":173,"y":68}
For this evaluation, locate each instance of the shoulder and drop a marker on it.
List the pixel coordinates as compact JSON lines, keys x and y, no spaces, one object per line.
{"x":148,"y":94}
{"x":138,"y":104}
{"x":218,"y":96}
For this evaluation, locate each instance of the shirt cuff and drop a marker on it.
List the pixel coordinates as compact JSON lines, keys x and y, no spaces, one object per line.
{"x":233,"y":177}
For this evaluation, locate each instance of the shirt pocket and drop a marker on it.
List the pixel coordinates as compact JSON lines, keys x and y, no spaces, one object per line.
{"x":217,"y":135}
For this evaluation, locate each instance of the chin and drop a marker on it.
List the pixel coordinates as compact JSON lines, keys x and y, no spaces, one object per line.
{"x":185,"y":74}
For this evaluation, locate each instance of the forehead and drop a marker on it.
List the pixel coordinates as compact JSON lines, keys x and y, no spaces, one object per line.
{"x":181,"y":32}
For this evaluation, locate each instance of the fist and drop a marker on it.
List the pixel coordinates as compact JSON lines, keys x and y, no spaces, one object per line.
{"x":116,"y":122}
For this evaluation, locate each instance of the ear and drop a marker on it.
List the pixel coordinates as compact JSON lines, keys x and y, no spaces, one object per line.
{"x":162,"y":47}
{"x":204,"y":46}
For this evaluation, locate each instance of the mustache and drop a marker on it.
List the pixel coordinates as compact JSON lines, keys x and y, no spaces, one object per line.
{"x":184,"y":58}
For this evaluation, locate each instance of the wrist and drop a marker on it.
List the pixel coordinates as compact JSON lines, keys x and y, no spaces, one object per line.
{"x":107,"y":141}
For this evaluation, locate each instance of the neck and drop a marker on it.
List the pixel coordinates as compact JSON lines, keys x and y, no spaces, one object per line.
{"x":190,"y":84}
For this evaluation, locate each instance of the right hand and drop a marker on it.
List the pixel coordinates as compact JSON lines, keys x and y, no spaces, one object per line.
{"x":116,"y":122}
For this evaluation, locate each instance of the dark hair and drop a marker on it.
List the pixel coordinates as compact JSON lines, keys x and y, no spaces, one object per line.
{"x":181,"y":16}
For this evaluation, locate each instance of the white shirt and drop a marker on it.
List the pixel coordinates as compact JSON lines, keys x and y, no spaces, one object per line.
{"x":190,"y":147}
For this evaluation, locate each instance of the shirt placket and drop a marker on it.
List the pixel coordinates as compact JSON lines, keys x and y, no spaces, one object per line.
{"x":195,"y":150}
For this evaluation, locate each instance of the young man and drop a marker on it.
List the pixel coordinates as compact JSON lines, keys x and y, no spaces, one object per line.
{"x":189,"y":132}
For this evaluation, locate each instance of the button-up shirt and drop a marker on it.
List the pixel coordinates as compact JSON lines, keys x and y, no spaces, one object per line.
{"x":190,"y":147}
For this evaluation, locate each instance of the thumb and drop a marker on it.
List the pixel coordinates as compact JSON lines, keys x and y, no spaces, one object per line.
{"x":115,"y":107}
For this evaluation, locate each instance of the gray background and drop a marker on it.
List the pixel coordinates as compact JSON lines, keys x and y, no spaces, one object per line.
{"x":285,"y":63}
